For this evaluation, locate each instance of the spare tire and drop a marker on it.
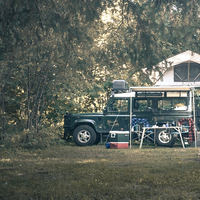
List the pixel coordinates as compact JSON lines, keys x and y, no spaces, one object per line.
{"x":164,"y":138}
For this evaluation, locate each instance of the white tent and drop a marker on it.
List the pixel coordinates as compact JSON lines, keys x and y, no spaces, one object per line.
{"x":179,"y":70}
{"x":182,"y":57}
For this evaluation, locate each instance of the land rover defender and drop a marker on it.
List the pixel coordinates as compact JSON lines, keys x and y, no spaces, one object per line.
{"x":157,"y":106}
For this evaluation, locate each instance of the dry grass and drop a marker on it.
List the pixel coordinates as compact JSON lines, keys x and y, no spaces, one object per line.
{"x":72,"y":172}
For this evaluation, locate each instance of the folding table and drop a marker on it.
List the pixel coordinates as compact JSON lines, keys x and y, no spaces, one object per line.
{"x":144,"y":134}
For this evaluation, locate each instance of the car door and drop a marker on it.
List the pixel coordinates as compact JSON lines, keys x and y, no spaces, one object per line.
{"x":117,"y":116}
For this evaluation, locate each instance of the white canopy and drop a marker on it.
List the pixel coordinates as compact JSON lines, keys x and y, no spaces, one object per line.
{"x":187,"y":56}
{"x":180,"y":70}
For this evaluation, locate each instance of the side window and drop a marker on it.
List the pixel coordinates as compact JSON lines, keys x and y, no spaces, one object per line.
{"x":197,"y":103}
{"x":119,"y":105}
{"x":179,"y":104}
{"x":173,"y":104}
{"x":142,"y":105}
{"x":165,"y":104}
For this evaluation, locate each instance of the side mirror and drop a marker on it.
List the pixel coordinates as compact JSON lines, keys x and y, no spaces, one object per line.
{"x":105,"y":111}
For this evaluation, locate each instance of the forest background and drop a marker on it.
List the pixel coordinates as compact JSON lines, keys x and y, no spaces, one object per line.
{"x":60,"y":56}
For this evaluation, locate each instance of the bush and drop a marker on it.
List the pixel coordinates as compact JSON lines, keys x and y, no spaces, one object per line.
{"x":30,"y":139}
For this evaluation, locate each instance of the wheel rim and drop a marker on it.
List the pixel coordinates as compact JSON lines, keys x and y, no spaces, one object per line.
{"x":84,"y":136}
{"x":164,"y":137}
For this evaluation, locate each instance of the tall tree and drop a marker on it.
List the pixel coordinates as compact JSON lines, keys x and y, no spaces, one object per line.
{"x":46,"y":42}
{"x":59,"y":56}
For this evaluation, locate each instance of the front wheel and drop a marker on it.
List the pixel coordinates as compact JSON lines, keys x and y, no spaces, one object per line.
{"x":84,"y":135}
{"x":164,"y":138}
{"x":98,"y":138}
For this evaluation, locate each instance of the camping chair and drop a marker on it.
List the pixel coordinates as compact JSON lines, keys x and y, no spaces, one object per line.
{"x":136,"y":133}
{"x":137,"y":130}
{"x":182,"y":130}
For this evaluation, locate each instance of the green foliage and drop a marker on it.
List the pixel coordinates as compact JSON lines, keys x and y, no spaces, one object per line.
{"x":31,"y":140}
{"x":59,"y":56}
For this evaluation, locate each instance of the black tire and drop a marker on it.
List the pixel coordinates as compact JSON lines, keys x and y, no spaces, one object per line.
{"x":98,"y":138}
{"x":164,"y":138}
{"x":84,"y":135}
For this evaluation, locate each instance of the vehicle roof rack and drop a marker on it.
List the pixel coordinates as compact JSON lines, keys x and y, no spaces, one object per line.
{"x":161,"y":89}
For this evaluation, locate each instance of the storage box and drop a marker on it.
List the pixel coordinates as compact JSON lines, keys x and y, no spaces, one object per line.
{"x":119,"y":85}
{"x":119,"y":145}
{"x":119,"y":136}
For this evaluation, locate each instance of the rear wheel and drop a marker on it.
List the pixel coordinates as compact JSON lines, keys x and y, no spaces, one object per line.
{"x":165,"y":138}
{"x":84,"y":135}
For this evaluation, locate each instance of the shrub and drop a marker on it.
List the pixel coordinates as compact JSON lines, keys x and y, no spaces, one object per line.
{"x":32,"y":140}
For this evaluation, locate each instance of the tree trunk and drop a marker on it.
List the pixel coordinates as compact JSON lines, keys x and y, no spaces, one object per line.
{"x":5,"y":77}
{"x":2,"y":133}
{"x":29,"y":99}
{"x":39,"y":102}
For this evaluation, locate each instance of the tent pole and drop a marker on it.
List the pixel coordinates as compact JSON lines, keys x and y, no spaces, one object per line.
{"x":130,"y":119}
{"x":194,"y":114}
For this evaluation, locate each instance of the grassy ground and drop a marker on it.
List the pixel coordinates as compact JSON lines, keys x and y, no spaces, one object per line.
{"x":94,"y":172}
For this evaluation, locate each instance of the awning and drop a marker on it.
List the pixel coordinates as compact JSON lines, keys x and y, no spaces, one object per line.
{"x":161,"y":89}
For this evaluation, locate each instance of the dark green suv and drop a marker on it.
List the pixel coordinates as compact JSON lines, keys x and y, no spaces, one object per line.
{"x":158,"y":106}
